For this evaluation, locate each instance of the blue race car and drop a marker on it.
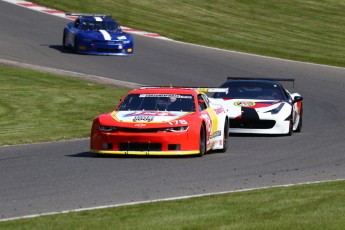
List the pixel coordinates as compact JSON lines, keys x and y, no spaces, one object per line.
{"x":96,"y":34}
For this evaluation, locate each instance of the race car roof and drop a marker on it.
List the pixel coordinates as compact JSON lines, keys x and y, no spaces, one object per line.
{"x":92,"y":17}
{"x":262,"y":79}
{"x":183,"y":89}
{"x":163,"y":90}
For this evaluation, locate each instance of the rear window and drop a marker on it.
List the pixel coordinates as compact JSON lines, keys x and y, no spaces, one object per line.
{"x":252,"y":90}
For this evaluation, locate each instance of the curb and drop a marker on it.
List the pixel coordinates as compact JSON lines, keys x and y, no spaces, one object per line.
{"x":33,"y":6}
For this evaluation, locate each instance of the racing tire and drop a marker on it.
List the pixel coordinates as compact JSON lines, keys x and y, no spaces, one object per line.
{"x":202,"y":141}
{"x":225,"y":137}
{"x":75,"y":45}
{"x":64,"y":40}
{"x":290,"y":126}
{"x":300,"y":122}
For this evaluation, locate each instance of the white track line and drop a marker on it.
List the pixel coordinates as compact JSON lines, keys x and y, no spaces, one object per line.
{"x":154,"y":35}
{"x":164,"y":199}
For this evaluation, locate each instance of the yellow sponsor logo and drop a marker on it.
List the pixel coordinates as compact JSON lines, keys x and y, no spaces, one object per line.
{"x":244,"y":103}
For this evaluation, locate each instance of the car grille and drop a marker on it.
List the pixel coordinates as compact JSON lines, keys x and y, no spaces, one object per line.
{"x":107,"y":42}
{"x":108,"y":50}
{"x":252,"y":124}
{"x":133,"y":130}
{"x":140,"y":147}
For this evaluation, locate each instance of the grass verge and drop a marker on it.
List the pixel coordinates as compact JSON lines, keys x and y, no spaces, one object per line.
{"x":304,"y":30}
{"x":37,"y":107}
{"x":315,"y":206}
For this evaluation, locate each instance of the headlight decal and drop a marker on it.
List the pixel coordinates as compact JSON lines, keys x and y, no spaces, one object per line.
{"x":276,"y":110}
{"x":176,"y":129}
{"x":105,"y":128}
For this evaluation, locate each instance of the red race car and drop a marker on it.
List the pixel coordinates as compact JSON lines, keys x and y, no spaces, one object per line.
{"x":162,"y":121}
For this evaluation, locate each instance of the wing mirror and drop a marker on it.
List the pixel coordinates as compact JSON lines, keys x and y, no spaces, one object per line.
{"x":297,"y":99}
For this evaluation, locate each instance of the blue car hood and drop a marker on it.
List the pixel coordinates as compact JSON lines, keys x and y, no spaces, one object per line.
{"x":106,"y":35}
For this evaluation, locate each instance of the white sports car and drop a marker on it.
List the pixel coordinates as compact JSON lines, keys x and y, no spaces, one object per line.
{"x":261,"y":106}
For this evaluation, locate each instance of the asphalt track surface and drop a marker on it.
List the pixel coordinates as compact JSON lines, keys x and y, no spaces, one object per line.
{"x":52,"y":177}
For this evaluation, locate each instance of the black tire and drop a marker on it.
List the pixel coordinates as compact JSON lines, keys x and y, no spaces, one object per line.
{"x":75,"y":44}
{"x":300,"y":122}
{"x":225,"y":137}
{"x":64,"y":40}
{"x":202,"y":141}
{"x":290,"y":126}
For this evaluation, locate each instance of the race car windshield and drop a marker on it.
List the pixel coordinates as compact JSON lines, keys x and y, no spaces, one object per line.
{"x":252,"y":90}
{"x":95,"y":25}
{"x":158,"y":102}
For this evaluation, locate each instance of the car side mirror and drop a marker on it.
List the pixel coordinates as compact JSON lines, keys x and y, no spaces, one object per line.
{"x":297,"y":99}
{"x":201,"y":101}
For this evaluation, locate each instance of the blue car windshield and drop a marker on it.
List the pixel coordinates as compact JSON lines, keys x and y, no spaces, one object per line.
{"x":95,"y":25}
{"x":158,"y":102}
{"x":252,"y":90}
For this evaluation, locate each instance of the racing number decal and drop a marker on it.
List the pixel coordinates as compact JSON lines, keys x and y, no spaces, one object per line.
{"x":177,"y":122}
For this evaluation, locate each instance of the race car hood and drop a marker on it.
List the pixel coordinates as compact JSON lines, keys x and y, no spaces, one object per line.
{"x":106,"y":35}
{"x":135,"y":117}
{"x":236,"y":107}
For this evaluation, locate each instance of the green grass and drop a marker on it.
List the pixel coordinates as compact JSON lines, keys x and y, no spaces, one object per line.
{"x":44,"y":107}
{"x":304,"y":30}
{"x":37,"y":107}
{"x":317,"y":206}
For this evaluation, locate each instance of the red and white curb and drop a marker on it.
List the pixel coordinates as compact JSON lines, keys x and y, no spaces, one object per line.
{"x":58,"y":13}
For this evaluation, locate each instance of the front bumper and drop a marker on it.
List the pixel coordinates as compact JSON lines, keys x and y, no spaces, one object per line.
{"x":161,"y":143}
{"x":105,"y":48}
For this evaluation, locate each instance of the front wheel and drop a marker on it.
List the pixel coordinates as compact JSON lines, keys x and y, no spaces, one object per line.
{"x":290,"y":126}
{"x":299,"y":127}
{"x":75,"y":44}
{"x":202,"y":142}
{"x":64,"y":44}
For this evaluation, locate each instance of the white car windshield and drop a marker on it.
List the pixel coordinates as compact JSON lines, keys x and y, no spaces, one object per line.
{"x":95,"y":25}
{"x":158,"y":102}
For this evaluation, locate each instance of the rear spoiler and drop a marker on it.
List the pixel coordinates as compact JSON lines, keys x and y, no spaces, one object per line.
{"x":88,"y":15}
{"x":266,"y":79}
{"x":199,"y":89}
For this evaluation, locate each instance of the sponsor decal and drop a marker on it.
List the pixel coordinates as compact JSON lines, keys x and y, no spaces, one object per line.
{"x":215,"y":134}
{"x":140,"y":125}
{"x":219,"y":110}
{"x":244,"y":103}
{"x":122,"y":38}
{"x":143,"y":118}
{"x":166,"y":95}
{"x":152,"y":114}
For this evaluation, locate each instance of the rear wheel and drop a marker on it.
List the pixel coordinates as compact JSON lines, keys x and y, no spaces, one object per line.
{"x":225,"y":137}
{"x":202,"y":142}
